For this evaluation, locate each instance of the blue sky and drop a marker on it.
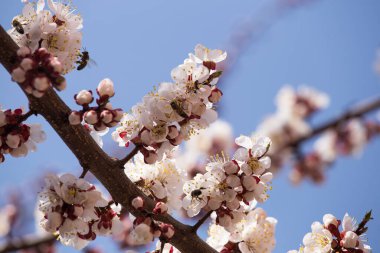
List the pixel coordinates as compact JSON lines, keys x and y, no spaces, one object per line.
{"x":329,"y":45}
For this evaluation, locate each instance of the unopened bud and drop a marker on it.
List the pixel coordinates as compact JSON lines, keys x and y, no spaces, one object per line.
{"x":41,"y":83}
{"x":18,"y":75}
{"x":75,"y":118}
{"x":27,"y":64}
{"x":167,"y":230}
{"x":160,"y":208}
{"x":84,"y":97}
{"x":23,"y":51}
{"x":138,"y":202}
{"x":215,"y":95}
{"x":106,"y":116}
{"x":105,"y":88}
{"x":330,"y":219}
{"x":91,"y":117}
{"x":13,"y":140}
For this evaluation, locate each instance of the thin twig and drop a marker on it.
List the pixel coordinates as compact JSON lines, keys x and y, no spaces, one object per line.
{"x":84,"y":172}
{"x":134,"y":151}
{"x":27,"y":115}
{"x":356,"y":112}
{"x":201,"y":221}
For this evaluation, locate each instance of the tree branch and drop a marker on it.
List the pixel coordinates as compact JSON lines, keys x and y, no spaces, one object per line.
{"x":26,"y":242}
{"x":134,"y":151}
{"x":356,"y":112}
{"x":201,"y":221}
{"x":90,"y":155}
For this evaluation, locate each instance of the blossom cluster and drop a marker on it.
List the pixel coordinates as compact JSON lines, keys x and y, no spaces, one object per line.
{"x":37,"y":71}
{"x":102,"y":116}
{"x":16,"y":137}
{"x":289,"y":122}
{"x":230,"y":186}
{"x":254,"y":233}
{"x":161,"y":181}
{"x":145,"y":228}
{"x":327,"y":237}
{"x":73,"y":209}
{"x":349,"y":138}
{"x":216,"y":139}
{"x":177,"y":110}
{"x":57,"y":30}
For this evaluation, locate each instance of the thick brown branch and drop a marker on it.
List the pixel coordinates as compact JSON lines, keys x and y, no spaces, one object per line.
{"x":356,"y":112}
{"x":26,"y":242}
{"x":90,"y":155}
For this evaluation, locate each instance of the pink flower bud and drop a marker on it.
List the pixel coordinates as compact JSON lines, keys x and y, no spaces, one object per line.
{"x":75,"y":118}
{"x":91,"y":117}
{"x":13,"y":140}
{"x":20,"y":151}
{"x":106,"y":116}
{"x":350,"y":240}
{"x":108,"y":106}
{"x":84,"y":97}
{"x":113,"y":124}
{"x":167,"y":230}
{"x":100,"y":127}
{"x":215,"y":95}
{"x":37,"y":94}
{"x":150,"y":157}
{"x":105,"y":88}
{"x":138,"y":203}
{"x":41,"y":83}
{"x":23,"y":51}
{"x":18,"y":75}
{"x":27,"y":64}
{"x":231,"y":167}
{"x":118,"y":114}
{"x":173,"y":132}
{"x":56,"y":65}
{"x":160,"y":208}
{"x":330,"y":219}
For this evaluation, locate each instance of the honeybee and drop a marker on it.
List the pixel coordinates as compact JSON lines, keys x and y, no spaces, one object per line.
{"x":178,"y":107}
{"x":84,"y":59}
{"x":17,"y":25}
{"x":195,"y":194}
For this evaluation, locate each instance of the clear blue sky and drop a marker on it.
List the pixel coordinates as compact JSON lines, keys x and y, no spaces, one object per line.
{"x":329,"y":44}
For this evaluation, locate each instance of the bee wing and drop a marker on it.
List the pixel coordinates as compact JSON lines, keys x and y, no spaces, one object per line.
{"x":91,"y":63}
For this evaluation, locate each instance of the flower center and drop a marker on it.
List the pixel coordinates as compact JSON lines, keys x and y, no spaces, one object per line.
{"x":254,"y":164}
